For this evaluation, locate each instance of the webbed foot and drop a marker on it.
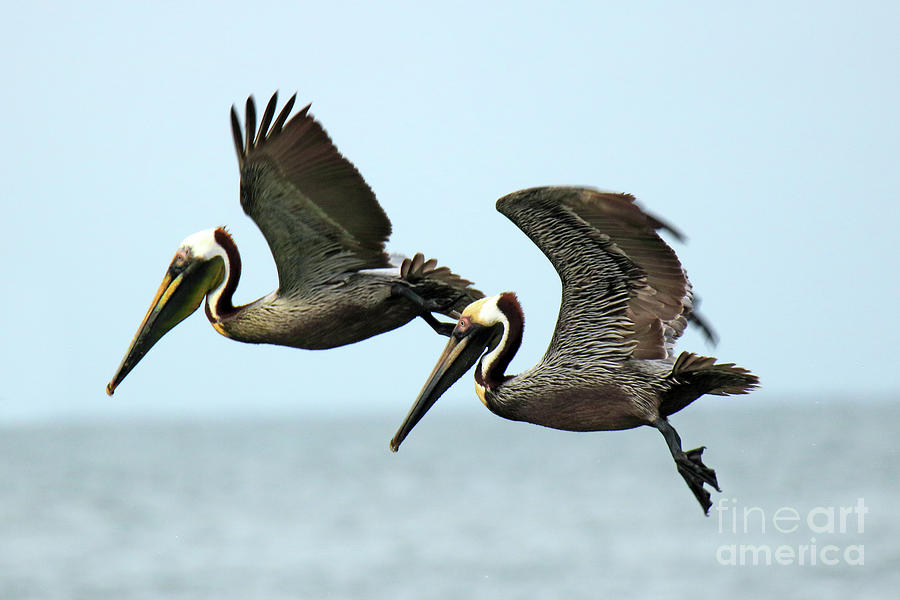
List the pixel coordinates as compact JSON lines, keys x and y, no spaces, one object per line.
{"x":426,"y":307}
{"x":695,"y":474}
{"x":690,"y":465}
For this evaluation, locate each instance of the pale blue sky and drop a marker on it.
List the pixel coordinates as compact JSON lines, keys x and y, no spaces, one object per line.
{"x":768,"y":133}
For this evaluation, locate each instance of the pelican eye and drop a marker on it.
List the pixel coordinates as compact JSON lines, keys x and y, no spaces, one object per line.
{"x":180,"y":260}
{"x":463,"y":326}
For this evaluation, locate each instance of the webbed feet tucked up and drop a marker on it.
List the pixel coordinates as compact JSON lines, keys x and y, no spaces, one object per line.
{"x":427,"y":307}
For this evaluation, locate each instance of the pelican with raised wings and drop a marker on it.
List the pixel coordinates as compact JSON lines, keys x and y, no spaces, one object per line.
{"x":327,"y":234}
{"x":611,"y":363}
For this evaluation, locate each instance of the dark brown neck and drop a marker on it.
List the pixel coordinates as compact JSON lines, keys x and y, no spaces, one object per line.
{"x":224,"y":304}
{"x":491,"y":370}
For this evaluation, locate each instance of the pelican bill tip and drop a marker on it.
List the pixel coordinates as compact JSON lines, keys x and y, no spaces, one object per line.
{"x":110,"y":388}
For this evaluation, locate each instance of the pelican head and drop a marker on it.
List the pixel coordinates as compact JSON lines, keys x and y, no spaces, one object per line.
{"x":489,"y":329}
{"x":198,"y":268}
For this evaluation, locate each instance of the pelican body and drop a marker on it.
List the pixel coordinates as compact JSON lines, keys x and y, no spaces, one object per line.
{"x":327,"y":234}
{"x":611,"y":363}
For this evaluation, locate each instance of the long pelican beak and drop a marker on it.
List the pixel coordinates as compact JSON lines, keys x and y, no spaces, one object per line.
{"x":180,"y":294}
{"x":458,"y":357}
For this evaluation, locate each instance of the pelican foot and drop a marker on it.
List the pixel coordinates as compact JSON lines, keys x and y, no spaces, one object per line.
{"x":441,"y":305}
{"x":438,"y":305}
{"x":695,"y":474}
{"x":427,"y":307}
{"x":689,"y":464}
{"x":445,"y":329}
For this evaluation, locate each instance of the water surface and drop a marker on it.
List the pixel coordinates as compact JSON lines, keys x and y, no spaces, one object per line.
{"x":471,"y":507}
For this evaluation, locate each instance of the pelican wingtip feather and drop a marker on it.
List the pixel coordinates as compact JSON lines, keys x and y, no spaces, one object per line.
{"x":267,"y":129}
{"x":250,"y":122}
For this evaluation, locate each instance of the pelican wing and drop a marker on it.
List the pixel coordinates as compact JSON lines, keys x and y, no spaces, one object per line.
{"x":317,"y":213}
{"x":624,"y":293}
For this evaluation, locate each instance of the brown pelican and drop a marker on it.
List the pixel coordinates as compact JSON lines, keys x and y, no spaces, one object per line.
{"x":326,"y":231}
{"x":611,"y":363}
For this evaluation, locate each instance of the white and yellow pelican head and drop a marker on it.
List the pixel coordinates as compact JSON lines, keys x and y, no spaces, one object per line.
{"x":200,"y":268}
{"x":489,"y":329}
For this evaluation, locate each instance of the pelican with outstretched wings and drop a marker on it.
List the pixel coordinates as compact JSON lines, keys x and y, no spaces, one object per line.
{"x":611,"y":362}
{"x":327,"y":234}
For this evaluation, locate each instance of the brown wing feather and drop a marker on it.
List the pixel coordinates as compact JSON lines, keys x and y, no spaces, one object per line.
{"x":317,"y":213}
{"x":664,"y":298}
{"x":624,"y":291}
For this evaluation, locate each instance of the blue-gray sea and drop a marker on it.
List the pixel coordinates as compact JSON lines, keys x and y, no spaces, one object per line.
{"x":471,"y":507}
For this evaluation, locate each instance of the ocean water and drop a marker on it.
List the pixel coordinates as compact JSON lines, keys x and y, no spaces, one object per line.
{"x":471,"y":507}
